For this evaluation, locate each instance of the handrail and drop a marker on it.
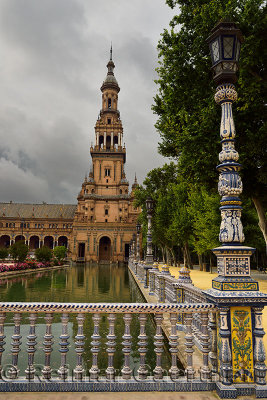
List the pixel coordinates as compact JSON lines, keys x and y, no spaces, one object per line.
{"x":105,"y":307}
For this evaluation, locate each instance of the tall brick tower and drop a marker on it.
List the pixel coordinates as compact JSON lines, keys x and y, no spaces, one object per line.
{"x":105,"y":219}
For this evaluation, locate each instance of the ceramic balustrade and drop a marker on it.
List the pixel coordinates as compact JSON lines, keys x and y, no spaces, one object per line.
{"x":80,"y":310}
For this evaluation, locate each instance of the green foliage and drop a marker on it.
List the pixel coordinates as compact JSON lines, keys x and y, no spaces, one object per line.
{"x":3,"y":253}
{"x":203,"y":209}
{"x":43,"y":254}
{"x":60,"y":252}
{"x":188,"y":118}
{"x":19,"y":251}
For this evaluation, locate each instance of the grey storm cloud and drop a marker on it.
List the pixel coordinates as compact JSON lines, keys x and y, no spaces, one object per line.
{"x":53,"y":61}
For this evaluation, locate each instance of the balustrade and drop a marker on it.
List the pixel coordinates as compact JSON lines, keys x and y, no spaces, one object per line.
{"x":47,"y":311}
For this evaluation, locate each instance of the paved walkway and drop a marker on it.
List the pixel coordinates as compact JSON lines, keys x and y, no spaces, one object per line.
{"x":108,"y":396}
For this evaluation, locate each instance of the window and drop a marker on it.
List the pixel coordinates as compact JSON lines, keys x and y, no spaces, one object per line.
{"x":106,"y":220}
{"x":107,"y":171}
{"x":106,"y":180}
{"x":109,"y":121}
{"x":120,"y":191}
{"x":106,"y":212}
{"x":109,"y":103}
{"x":91,"y":218}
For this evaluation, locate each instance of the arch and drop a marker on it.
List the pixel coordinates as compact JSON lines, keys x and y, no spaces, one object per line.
{"x":49,"y":241}
{"x":104,"y":248}
{"x":101,"y":141}
{"x":108,"y":142}
{"x":19,"y":238}
{"x":5,"y":241}
{"x":34,"y":242}
{"x":63,"y":241}
{"x":115,"y":141}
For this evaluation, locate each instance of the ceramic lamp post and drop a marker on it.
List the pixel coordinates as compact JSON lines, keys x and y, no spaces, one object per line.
{"x":234,"y":291}
{"x":138,"y":230}
{"x":149,"y":253}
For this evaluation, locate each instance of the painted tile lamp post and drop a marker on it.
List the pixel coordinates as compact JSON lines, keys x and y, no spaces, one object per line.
{"x":239,"y":302}
{"x":149,"y":209}
{"x":138,"y":231}
{"x":149,"y":250}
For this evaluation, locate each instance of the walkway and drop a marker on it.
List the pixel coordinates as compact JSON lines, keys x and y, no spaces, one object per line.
{"x":113,"y":396}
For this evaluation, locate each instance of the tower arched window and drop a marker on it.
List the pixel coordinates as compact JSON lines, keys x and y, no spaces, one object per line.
{"x":109,"y":103}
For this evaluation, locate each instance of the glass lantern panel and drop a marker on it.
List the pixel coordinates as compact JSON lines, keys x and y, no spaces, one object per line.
{"x":215,"y":50}
{"x":228,"y":47}
{"x":227,"y":65}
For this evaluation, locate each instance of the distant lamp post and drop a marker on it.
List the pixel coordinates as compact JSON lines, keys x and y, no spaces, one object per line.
{"x":225,"y":43}
{"x":138,"y":231}
{"x":134,"y":248}
{"x":149,"y":209}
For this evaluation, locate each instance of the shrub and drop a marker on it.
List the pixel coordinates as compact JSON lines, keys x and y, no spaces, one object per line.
{"x":19,"y":251}
{"x":60,"y":252}
{"x":3,"y":253}
{"x":43,"y":254}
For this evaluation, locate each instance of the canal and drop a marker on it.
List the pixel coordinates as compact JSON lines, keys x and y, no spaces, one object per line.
{"x":77,"y":284}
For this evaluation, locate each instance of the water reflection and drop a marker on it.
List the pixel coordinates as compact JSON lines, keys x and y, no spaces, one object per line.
{"x":80,"y":283}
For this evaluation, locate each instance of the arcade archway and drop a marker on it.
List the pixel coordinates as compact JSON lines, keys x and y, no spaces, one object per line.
{"x":104,"y":249}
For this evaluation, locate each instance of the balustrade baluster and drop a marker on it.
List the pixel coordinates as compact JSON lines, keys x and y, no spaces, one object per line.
{"x":2,"y":341}
{"x":142,"y":370}
{"x":94,"y":370}
{"x":79,"y":348}
{"x":63,"y":369}
{"x":127,"y":342}
{"x":190,"y":372}
{"x":30,"y":370}
{"x":205,"y":344}
{"x":14,"y":371}
{"x":158,"y":371}
{"x":213,"y":352}
{"x":173,"y":342}
{"x":48,"y":342}
{"x":111,"y":347}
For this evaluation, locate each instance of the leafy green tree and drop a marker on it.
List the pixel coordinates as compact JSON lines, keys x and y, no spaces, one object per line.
{"x":19,"y":251}
{"x":188,"y":118}
{"x":60,"y":252}
{"x":43,"y":254}
{"x":3,"y":253}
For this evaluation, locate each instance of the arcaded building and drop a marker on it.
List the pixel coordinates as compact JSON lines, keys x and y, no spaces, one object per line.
{"x":101,"y":226}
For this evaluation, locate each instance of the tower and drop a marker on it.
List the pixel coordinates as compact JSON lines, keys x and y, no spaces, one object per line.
{"x":105,"y":218}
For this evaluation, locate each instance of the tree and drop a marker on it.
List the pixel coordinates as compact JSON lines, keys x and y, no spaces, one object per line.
{"x":43,"y":254}
{"x":60,"y":252}
{"x":188,"y":118}
{"x":19,"y":251}
{"x":3,"y":253}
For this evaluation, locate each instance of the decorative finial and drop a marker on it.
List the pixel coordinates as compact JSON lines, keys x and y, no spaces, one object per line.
{"x":135,"y":179}
{"x":111,"y":52}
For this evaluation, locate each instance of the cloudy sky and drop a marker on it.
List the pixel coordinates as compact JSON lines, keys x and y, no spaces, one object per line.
{"x":52,"y":64}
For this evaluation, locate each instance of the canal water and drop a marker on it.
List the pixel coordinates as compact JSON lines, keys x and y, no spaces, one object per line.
{"x":77,"y":284}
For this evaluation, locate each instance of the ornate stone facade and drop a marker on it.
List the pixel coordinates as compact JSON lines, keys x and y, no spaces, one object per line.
{"x":102,"y":224}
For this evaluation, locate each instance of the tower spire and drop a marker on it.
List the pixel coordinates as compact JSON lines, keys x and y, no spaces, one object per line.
{"x":111,"y":52}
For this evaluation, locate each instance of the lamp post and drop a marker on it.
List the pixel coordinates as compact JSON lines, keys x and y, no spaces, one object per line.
{"x":134,"y":248}
{"x":149,"y":208}
{"x":233,"y":291}
{"x":138,"y":230}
